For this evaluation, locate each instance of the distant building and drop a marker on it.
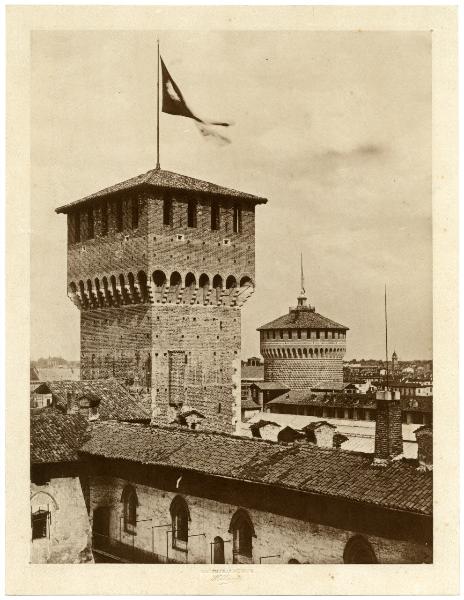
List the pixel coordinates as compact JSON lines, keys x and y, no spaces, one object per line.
{"x":57,"y":373}
{"x":412,"y":389}
{"x":250,"y":374}
{"x":357,"y":407}
{"x":253,"y":361}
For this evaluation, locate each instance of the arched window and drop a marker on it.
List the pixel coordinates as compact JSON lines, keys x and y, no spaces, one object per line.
{"x":190,"y":280}
{"x":175,"y":280}
{"x":217,"y":285}
{"x":358,"y":551}
{"x":243,"y":532}
{"x":245,"y":282}
{"x":204,"y":287}
{"x":142,"y":280}
{"x":231,"y":282}
{"x":218,"y":551}
{"x":129,"y":498}
{"x":180,"y":518}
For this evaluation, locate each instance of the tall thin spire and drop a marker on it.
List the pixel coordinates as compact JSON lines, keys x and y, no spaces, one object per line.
{"x":302,"y":296}
{"x":303,"y":291}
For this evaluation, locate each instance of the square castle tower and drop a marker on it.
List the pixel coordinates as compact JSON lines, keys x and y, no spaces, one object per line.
{"x":159,"y":267}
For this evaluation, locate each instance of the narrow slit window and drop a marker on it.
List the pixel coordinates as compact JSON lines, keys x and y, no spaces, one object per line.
{"x":215,"y":216}
{"x":119,"y":215}
{"x":167,"y":210}
{"x":90,"y":224}
{"x":135,"y":212}
{"x":77,"y":226}
{"x":192,"y":213}
{"x":104,"y":219}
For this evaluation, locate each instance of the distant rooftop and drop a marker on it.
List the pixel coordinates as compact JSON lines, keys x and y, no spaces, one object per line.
{"x":360,"y":434}
{"x":115,"y":400}
{"x":159,"y":178}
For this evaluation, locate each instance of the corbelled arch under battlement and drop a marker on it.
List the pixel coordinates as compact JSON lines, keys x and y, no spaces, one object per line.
{"x":161,"y":287}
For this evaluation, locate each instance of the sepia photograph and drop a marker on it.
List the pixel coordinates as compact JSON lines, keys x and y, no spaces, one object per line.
{"x":231,"y":263}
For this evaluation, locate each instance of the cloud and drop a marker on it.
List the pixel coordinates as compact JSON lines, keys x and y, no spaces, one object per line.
{"x":362,"y":150}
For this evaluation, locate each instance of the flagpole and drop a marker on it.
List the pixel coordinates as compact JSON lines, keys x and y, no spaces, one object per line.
{"x":158,"y":111}
{"x":386,"y":335}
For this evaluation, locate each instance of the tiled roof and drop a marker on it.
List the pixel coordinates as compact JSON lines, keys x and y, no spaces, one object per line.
{"x":301,"y":467}
{"x":249,"y":372}
{"x":159,"y":178}
{"x":331,"y":385}
{"x":269,"y":385}
{"x":249,"y":404}
{"x":302,"y":319}
{"x":115,"y":401}
{"x":56,"y":437}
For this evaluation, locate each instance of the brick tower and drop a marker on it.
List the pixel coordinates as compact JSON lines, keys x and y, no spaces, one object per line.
{"x":303,"y":349}
{"x":159,"y":266}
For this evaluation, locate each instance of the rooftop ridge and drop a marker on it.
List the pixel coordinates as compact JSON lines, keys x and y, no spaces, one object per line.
{"x":307,"y":468}
{"x":164,"y":179}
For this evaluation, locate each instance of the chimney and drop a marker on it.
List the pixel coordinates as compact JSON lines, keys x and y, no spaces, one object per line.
{"x":388,"y":431}
{"x":320,"y":433}
{"x":72,"y":406}
{"x":424,"y":437}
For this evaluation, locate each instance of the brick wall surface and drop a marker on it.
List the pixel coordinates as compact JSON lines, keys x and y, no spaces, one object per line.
{"x":69,"y":539}
{"x":135,"y":344}
{"x":279,"y":535}
{"x":201,"y":250}
{"x":301,"y":374}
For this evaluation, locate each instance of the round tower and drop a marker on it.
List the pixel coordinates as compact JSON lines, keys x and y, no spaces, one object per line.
{"x":303,"y":349}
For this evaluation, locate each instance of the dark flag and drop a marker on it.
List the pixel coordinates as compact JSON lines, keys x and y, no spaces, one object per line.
{"x":174,"y":104}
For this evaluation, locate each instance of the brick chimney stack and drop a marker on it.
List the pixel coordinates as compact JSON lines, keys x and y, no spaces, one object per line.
{"x":424,"y":437}
{"x":388,"y":432}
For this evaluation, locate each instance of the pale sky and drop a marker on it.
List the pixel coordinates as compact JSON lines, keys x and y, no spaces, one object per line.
{"x":333,"y":128}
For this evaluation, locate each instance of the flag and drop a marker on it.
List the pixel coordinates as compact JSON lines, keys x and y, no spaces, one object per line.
{"x":173,"y":103}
